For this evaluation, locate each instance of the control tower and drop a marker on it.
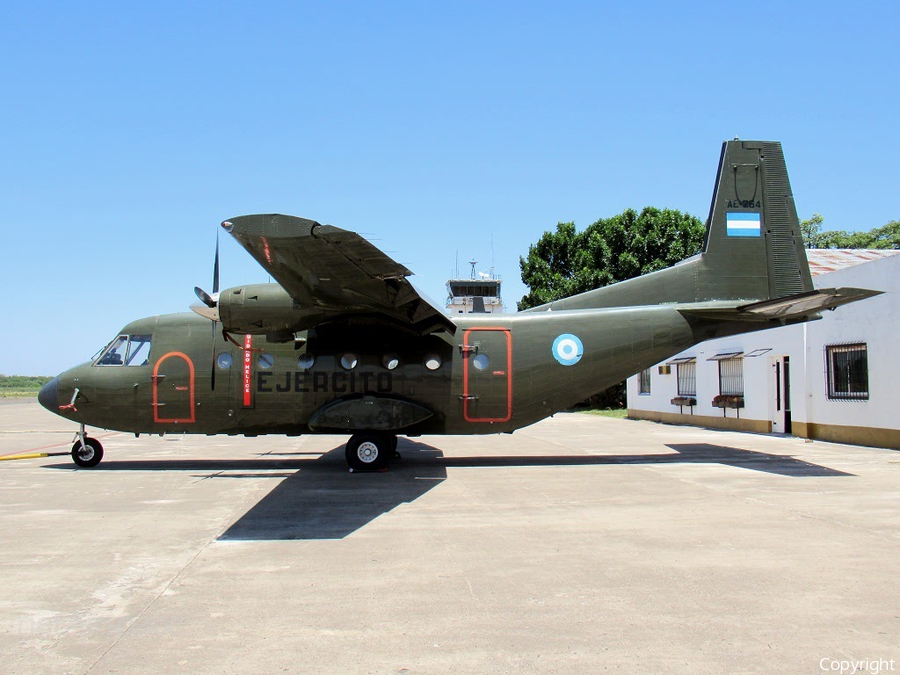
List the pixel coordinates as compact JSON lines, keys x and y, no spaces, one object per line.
{"x":479,"y":294}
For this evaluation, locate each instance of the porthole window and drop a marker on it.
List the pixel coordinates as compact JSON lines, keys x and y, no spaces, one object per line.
{"x":432,"y":362}
{"x":349,"y":361}
{"x":265,"y":361}
{"x":390,"y":361}
{"x":306,"y":361}
{"x":481,"y":361}
{"x":224,"y":360}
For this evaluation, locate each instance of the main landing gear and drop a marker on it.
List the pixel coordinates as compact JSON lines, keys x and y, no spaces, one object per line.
{"x":87,"y":452}
{"x":371,"y":451}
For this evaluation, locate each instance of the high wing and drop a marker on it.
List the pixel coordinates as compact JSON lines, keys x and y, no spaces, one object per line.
{"x":335,"y":270}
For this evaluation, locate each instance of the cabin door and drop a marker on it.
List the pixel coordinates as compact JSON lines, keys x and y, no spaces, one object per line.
{"x":487,"y":375}
{"x":173,"y":389}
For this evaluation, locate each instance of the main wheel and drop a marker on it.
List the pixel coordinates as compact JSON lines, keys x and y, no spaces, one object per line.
{"x":90,"y":455}
{"x":368,"y":451}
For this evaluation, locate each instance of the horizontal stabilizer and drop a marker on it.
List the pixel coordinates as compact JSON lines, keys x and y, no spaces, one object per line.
{"x":793,"y":308}
{"x":804,"y":304}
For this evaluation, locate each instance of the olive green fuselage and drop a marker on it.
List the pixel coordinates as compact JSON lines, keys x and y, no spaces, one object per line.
{"x":498,"y":373}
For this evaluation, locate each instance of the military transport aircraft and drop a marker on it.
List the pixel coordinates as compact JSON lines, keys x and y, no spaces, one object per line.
{"x":344,"y":344}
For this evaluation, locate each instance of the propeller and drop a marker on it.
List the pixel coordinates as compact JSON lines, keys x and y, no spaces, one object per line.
{"x":210,"y":310}
{"x":210,"y":306}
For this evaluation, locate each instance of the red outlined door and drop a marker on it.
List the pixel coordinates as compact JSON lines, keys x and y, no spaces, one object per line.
{"x":173,"y":389}
{"x":487,"y":375}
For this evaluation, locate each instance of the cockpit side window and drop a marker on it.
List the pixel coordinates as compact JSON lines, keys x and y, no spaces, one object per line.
{"x":115,"y":353}
{"x":126,"y":350}
{"x":138,"y":350}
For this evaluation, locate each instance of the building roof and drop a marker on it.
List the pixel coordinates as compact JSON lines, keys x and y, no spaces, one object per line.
{"x":824,"y":260}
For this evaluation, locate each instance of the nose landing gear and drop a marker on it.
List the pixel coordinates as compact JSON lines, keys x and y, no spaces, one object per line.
{"x":87,"y":452}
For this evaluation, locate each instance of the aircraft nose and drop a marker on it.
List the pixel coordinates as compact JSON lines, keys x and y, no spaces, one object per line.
{"x":48,"y":396}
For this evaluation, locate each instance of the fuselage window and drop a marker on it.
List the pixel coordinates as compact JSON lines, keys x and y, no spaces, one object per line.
{"x":306,"y":361}
{"x":390,"y":361}
{"x":265,"y":361}
{"x":224,"y":360}
{"x":481,"y":361}
{"x":432,"y":362}
{"x":126,"y":350}
{"x":349,"y":361}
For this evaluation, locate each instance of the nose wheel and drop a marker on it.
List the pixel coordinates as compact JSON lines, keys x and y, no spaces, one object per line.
{"x":87,"y":452}
{"x":370,"y":451}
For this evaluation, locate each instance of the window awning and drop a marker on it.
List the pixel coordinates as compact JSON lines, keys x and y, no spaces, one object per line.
{"x":757,"y":352}
{"x":725,"y":355}
{"x":683,"y":359}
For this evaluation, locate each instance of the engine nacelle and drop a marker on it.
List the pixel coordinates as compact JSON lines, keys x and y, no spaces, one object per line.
{"x":264,"y":309}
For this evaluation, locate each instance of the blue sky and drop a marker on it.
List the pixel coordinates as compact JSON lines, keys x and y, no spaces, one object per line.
{"x":129,"y":131}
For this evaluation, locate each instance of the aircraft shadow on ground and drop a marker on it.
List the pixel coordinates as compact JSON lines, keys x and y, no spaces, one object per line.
{"x":688,"y":453}
{"x":319,"y":499}
{"x":324,"y":501}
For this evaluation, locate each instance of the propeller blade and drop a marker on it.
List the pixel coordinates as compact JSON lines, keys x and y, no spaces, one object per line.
{"x":212,"y":372}
{"x":210,"y":306}
{"x":216,"y":267}
{"x":207,"y":299}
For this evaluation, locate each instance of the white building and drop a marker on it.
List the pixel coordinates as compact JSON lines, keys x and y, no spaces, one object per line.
{"x":830,"y":379}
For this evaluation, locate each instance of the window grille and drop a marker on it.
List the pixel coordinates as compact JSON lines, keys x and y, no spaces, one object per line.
{"x":644,"y":382}
{"x":731,"y":377}
{"x":687,"y":378}
{"x":848,"y":372}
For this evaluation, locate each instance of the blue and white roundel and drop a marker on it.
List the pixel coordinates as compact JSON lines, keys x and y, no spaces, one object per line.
{"x":567,"y":349}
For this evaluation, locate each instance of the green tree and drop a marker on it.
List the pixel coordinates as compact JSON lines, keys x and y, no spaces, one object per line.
{"x":810,"y":229}
{"x":567,"y":262}
{"x":886,"y":236}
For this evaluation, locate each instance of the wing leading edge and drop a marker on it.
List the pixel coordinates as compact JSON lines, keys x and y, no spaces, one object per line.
{"x":332,"y":269}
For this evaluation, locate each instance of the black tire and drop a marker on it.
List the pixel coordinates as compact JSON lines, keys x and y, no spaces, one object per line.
{"x":90,"y":456}
{"x":368,"y":451}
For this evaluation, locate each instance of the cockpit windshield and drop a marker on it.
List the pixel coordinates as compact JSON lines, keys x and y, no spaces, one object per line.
{"x":126,"y":350}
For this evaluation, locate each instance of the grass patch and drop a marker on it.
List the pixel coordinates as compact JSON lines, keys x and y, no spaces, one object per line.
{"x":21,"y":386}
{"x":17,"y":394}
{"x":619,"y":414}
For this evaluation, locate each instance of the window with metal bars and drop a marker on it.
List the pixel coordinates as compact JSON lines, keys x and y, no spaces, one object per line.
{"x":644,"y":382}
{"x":687,"y":378}
{"x":731,"y":377}
{"x":848,"y":372}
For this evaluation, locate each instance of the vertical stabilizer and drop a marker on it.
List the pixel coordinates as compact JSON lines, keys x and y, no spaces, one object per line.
{"x":753,"y":238}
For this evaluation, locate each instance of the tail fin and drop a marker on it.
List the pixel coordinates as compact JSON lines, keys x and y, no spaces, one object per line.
{"x":754,"y":248}
{"x":753,"y":251}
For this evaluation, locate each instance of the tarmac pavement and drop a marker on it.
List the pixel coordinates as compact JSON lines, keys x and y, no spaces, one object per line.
{"x":578,"y":545}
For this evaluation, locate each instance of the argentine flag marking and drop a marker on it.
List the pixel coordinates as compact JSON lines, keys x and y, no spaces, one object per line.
{"x":742,"y":224}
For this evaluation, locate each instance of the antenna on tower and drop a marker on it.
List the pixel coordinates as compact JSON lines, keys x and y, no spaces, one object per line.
{"x":492,"y":255}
